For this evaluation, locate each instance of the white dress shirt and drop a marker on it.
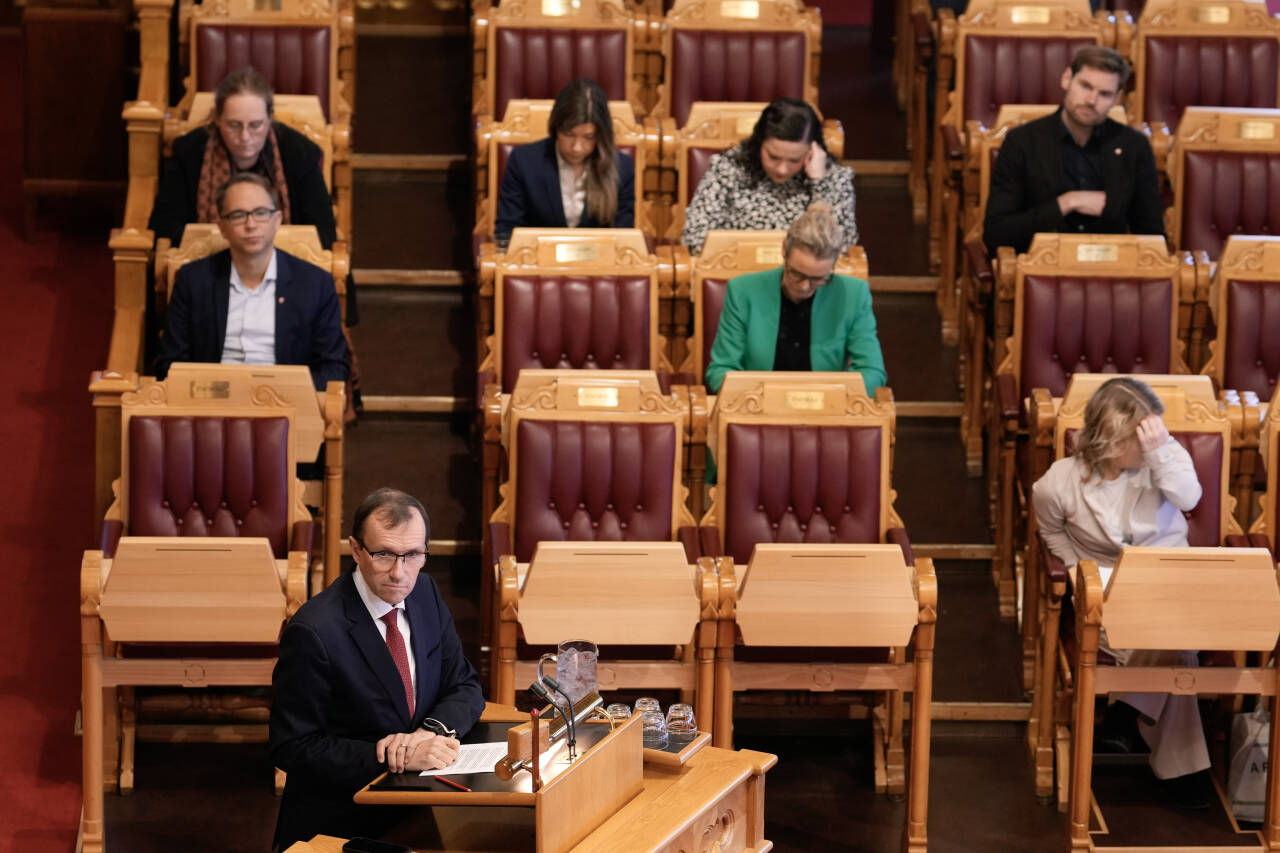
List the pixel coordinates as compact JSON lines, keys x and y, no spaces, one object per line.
{"x":377,"y":609}
{"x":251,"y":320}
{"x":573,"y":191}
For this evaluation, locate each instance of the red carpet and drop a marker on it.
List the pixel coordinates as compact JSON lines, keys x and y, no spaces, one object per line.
{"x":55,"y":301}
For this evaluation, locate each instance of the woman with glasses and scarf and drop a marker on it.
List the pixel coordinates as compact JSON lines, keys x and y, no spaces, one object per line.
{"x":800,"y":316}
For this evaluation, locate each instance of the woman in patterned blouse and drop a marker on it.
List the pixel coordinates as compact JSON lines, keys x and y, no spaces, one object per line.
{"x":768,"y":180}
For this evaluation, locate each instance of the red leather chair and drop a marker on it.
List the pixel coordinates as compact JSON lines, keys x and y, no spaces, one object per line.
{"x":1198,"y":53}
{"x":994,"y":54}
{"x":755,"y":51}
{"x":1194,"y":420}
{"x":187,"y":473}
{"x":1082,"y":304}
{"x":531,"y":50}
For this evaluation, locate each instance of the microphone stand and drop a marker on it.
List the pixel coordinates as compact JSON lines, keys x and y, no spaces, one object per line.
{"x":573,"y":725}
{"x":541,"y":692}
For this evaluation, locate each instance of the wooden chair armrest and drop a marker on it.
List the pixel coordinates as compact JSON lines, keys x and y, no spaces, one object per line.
{"x":983,"y":275}
{"x":1007,"y":396}
{"x":1054,"y":569}
{"x":295,"y":580}
{"x":952,"y":146}
{"x":922,"y":30}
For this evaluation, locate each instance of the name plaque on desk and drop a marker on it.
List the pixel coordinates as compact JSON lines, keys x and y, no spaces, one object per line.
{"x":558,"y":8}
{"x":575,"y":252}
{"x":598,"y":398}
{"x":1211,"y":15}
{"x":1029,"y":14}
{"x":210,"y":390}
{"x":768,"y":254}
{"x":1094,"y":253}
{"x":747,"y":9}
{"x":806,"y":400}
{"x":1257,"y":130}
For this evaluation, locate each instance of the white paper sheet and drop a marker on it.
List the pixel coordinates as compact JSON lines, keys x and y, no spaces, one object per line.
{"x":473,"y":758}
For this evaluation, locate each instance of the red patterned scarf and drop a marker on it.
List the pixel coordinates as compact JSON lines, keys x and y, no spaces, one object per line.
{"x":217,"y":168}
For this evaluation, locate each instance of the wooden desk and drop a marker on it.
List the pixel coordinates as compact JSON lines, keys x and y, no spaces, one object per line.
{"x":718,"y":795}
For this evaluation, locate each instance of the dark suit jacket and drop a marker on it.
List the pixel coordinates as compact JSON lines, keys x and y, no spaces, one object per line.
{"x":1028,"y":178}
{"x":309,"y":200}
{"x":337,"y":693}
{"x":529,"y":195}
{"x":308,"y":321}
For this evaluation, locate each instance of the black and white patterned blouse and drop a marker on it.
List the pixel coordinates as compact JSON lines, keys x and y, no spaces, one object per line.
{"x":735,"y":196}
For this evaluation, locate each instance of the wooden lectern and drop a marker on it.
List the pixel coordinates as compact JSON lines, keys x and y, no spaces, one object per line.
{"x":1173,"y":598}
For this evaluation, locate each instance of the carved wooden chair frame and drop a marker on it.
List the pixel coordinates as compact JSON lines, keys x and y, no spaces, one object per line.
{"x":1247,"y":258}
{"x":752,"y":15}
{"x":1263,"y":533}
{"x":110,"y":724}
{"x":552,"y":14}
{"x":1191,"y":19}
{"x":1119,"y":255}
{"x":1029,"y":20}
{"x":1190,"y":407}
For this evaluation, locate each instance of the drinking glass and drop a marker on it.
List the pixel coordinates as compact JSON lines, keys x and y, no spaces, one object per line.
{"x":654,"y":730}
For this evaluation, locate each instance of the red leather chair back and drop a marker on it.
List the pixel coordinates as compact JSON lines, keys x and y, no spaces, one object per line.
{"x":1093,"y":325}
{"x":210,"y":476}
{"x":294,"y":60}
{"x":800,"y":484}
{"x":592,"y":481}
{"x":1225,"y":193}
{"x":697,"y":161}
{"x":594,"y":322}
{"x":733,"y":65}
{"x":1003,"y":70}
{"x":1204,"y":522}
{"x":713,"y":291}
{"x":1183,"y":71}
{"x":1252,"y":357}
{"x":536,"y":63}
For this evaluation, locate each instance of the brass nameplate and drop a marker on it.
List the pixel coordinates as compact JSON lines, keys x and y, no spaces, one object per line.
{"x":266,"y":5}
{"x":1212,"y":15}
{"x":746,"y":124}
{"x":575,"y":252}
{"x":808,"y":400}
{"x":1093,"y":253}
{"x":215,"y":390}
{"x":1257,"y":130}
{"x":559,"y":8}
{"x":598,"y":398}
{"x":1029,"y":14}
{"x":749,"y":9}
{"x":769,"y":255}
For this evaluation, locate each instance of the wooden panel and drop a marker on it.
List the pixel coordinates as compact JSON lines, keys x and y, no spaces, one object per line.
{"x":1193,"y":598}
{"x":622,"y":593}
{"x":826,"y":595}
{"x":193,"y":590}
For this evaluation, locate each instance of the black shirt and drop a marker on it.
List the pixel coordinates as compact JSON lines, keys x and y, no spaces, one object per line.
{"x":793,"y":335}
{"x":1082,"y":170}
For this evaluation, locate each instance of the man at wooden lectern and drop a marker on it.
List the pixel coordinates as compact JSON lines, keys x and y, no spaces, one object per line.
{"x":371,"y":677}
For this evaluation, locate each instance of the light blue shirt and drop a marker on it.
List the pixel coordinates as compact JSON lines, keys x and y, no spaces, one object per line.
{"x":251,"y":320}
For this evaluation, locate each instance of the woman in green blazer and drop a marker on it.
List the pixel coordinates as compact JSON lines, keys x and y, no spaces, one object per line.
{"x":799,"y":316}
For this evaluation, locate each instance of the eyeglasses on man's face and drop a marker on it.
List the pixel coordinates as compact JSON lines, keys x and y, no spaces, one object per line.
{"x":384,"y":560}
{"x":794,"y":277}
{"x":259,"y":215}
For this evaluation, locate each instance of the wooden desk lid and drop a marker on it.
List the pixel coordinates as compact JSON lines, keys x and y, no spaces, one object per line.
{"x":612,"y":593}
{"x":827,"y":595}
{"x":193,"y":589}
{"x":1193,"y":598}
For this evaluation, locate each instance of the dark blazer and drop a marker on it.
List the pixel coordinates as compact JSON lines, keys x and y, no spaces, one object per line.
{"x":529,"y":195}
{"x":309,"y":200}
{"x":337,"y":693}
{"x":308,"y":321}
{"x":1028,"y":178}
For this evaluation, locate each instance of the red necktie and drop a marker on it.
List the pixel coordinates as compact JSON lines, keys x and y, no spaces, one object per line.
{"x":395,"y":644}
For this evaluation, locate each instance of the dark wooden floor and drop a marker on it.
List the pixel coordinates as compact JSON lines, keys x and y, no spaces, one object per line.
{"x":411,"y":100}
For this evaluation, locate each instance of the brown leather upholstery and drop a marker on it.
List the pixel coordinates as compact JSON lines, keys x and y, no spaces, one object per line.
{"x":587,"y":481}
{"x":1253,"y":348}
{"x":210,"y":476}
{"x":1003,"y":70}
{"x":1207,"y":72}
{"x":696,"y":165}
{"x":720,"y":65}
{"x":713,"y":291}
{"x":574,"y":322}
{"x":536,"y":63}
{"x":801,"y":484}
{"x":1227,"y":193}
{"x":1204,"y":523}
{"x":294,"y":60}
{"x":1093,"y":325}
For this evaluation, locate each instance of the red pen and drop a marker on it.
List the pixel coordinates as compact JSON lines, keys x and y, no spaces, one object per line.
{"x":453,"y":784}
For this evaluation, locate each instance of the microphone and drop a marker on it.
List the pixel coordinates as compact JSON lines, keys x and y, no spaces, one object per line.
{"x":573,"y":729}
{"x":541,"y":692}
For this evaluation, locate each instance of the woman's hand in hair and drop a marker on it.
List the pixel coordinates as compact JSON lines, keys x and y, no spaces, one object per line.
{"x":815,"y":162}
{"x":1152,"y":433}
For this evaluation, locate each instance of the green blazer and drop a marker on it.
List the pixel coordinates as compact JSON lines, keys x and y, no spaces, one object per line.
{"x":842,"y":334}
